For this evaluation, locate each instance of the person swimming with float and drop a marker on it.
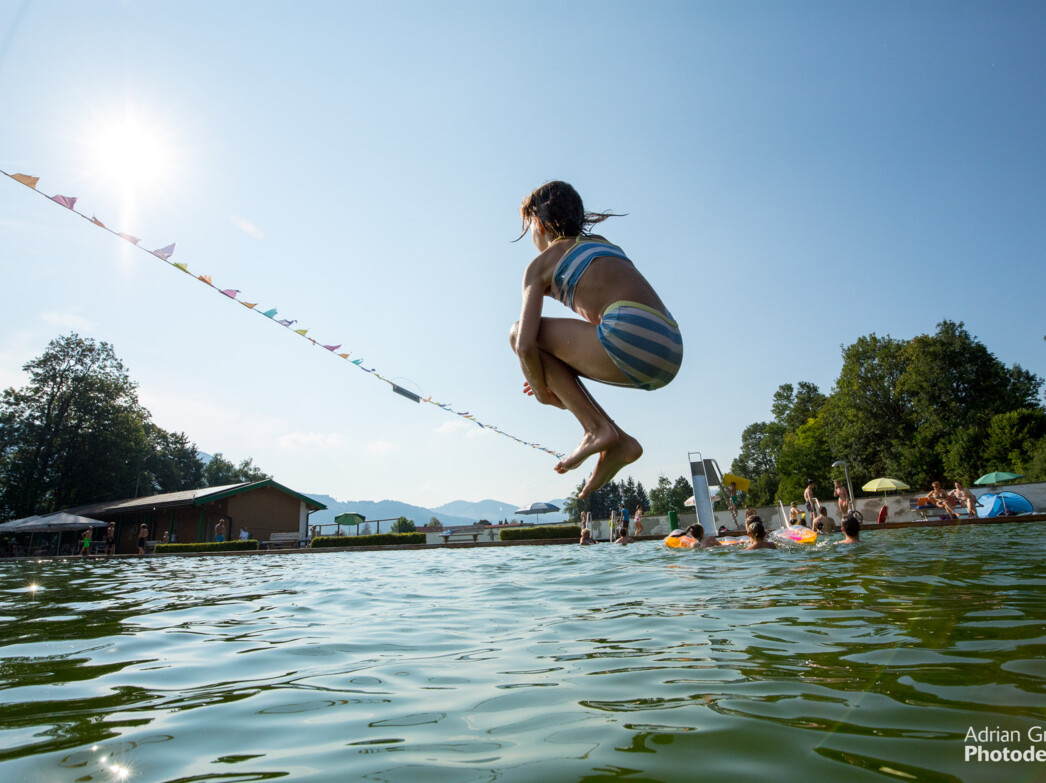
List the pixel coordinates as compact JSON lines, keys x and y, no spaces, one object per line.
{"x":626,"y":335}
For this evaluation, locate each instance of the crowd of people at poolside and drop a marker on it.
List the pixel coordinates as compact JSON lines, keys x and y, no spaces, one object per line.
{"x":820,"y":522}
{"x":86,"y":541}
{"x":754,"y":528}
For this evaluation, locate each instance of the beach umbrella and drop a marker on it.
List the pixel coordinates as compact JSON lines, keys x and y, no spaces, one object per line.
{"x":997,"y":477}
{"x":537,"y":508}
{"x":690,"y":502}
{"x":884,"y":485}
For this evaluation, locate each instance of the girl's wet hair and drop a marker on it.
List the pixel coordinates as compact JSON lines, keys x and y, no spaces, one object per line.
{"x":756,"y":530}
{"x":696,"y":531}
{"x":557,"y":206}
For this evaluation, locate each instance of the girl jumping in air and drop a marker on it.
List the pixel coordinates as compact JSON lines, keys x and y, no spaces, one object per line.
{"x":626,"y":336}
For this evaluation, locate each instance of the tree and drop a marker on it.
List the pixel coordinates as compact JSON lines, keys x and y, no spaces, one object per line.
{"x":435,"y":523}
{"x":219,"y":472}
{"x":75,"y":434}
{"x":805,"y":456}
{"x":920,"y":410}
{"x":1012,"y":440}
{"x":668,"y":496}
{"x":404,"y":525}
{"x":173,"y":463}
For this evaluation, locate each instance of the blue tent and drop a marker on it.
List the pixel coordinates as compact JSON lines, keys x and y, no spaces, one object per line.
{"x":992,"y":504}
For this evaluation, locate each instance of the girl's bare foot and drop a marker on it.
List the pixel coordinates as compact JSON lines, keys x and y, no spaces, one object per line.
{"x":591,"y":443}
{"x":626,"y":451}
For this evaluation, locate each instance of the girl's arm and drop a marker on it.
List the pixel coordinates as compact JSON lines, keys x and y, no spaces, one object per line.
{"x":527,"y":336}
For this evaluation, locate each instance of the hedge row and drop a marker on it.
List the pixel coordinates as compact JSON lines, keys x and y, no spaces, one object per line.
{"x":208,"y":546}
{"x":549,"y":531}
{"x":379,"y":539}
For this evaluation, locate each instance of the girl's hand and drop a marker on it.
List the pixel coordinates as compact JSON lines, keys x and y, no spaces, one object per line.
{"x":548,"y":398}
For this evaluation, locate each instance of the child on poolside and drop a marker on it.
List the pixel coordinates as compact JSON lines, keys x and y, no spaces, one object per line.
{"x":757,"y":533}
{"x":626,"y":336}
{"x":851,"y":529}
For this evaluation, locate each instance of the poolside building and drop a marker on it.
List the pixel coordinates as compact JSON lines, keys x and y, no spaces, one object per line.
{"x":259,"y":507}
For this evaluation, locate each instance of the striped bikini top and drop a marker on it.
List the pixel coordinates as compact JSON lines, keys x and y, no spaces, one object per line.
{"x":574,"y":263}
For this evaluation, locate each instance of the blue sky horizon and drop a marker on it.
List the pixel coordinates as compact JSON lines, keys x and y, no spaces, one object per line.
{"x":793,"y":177}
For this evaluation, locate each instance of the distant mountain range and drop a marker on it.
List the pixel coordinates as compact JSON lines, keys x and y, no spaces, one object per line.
{"x":457,"y":513}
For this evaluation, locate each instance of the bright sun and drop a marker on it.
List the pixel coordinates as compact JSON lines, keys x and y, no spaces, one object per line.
{"x":131,"y":151}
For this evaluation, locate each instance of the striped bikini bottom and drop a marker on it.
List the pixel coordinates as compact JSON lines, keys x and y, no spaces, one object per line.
{"x":644,"y":344}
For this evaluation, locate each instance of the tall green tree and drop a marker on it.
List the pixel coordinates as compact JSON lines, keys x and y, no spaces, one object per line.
{"x":936,"y":406}
{"x":220,"y":471}
{"x":75,"y":434}
{"x":404,"y":525}
{"x":670,"y":496}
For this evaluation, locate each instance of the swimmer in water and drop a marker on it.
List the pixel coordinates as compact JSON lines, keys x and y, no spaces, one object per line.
{"x":586,"y":537}
{"x":758,"y":535}
{"x":697,"y":532}
{"x":625,"y":336}
{"x":851,"y":529}
{"x":623,"y":537}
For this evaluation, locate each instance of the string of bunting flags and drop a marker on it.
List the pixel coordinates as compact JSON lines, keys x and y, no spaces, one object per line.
{"x":164,"y":254}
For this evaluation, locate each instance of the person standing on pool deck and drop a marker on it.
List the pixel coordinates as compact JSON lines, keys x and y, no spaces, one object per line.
{"x":639,"y":521}
{"x":143,"y":534}
{"x":811,"y":501}
{"x":110,"y":539}
{"x":842,"y":496}
{"x":625,"y":337}
{"x":624,"y":517}
{"x":219,"y":530}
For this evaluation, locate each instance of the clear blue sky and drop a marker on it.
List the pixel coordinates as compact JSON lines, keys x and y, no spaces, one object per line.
{"x":795,"y":175}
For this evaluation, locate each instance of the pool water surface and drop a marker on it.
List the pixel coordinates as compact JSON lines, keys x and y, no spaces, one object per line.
{"x":531,"y":663}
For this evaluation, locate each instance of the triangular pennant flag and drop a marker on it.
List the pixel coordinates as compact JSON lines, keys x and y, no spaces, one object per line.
{"x":66,"y":201}
{"x":358,"y":362}
{"x":25,"y":179}
{"x":165,"y":252}
{"x":249,"y":305}
{"x":344,"y":355}
{"x":285,"y":322}
{"x":206,"y":279}
{"x":183,"y":267}
{"x":231,"y":292}
{"x":97,"y":222}
{"x":128,"y":237}
{"x":332,"y":348}
{"x":302,"y":332}
{"x":270,"y":313}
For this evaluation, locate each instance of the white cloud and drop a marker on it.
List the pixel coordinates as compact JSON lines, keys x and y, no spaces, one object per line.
{"x":381,"y":447}
{"x":66,"y":320}
{"x":451,"y":427}
{"x":466,"y":426}
{"x":247,"y":227}
{"x":299,"y":441}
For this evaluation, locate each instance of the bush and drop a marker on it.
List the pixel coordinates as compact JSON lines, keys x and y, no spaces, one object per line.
{"x":531,"y":533}
{"x":207,"y":546}
{"x":380,"y":539}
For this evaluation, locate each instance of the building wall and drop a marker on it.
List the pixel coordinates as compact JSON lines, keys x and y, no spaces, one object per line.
{"x":263,"y":512}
